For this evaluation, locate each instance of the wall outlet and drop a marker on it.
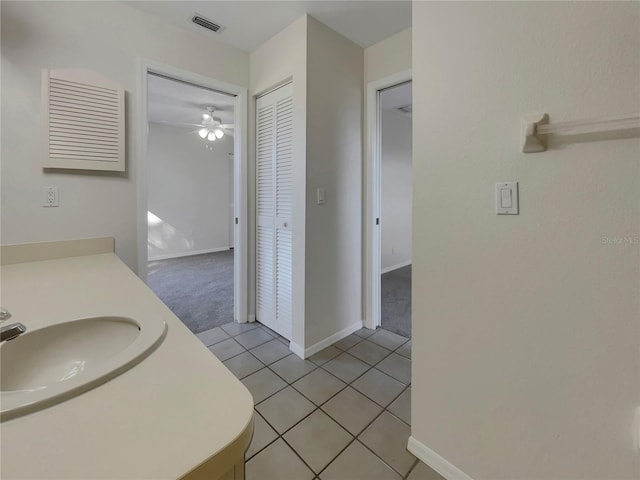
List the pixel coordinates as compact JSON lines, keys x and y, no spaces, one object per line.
{"x":51,"y":198}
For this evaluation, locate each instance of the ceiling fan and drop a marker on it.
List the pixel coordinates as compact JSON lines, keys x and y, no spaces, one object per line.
{"x":212,"y":127}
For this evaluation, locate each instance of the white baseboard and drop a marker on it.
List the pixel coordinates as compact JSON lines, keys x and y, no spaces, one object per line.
{"x":297,"y":349}
{"x":249,"y":319}
{"x":322,"y":344}
{"x":435,"y":461}
{"x":395,"y":267}
{"x":188,"y":254}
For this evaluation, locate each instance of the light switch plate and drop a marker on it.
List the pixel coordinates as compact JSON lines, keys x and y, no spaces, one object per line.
{"x":320,"y":196}
{"x":507,"y":198}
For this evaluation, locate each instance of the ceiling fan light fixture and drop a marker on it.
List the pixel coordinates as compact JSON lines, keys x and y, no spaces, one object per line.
{"x":219,"y":133}
{"x":211,"y":137}
{"x":206,"y":116}
{"x":203,"y":132}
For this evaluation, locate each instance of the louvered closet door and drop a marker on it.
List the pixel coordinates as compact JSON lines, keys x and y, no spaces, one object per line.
{"x":274,"y":185}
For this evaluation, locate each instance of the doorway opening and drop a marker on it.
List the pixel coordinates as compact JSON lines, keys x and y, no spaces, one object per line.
{"x":396,"y":208}
{"x":388,"y":249}
{"x":192,"y":201}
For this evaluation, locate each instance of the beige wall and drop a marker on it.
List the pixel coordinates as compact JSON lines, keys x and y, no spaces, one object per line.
{"x":189,"y":189}
{"x":396,"y":197}
{"x":526,"y":328}
{"x":328,"y":109}
{"x":391,"y":55}
{"x":334,"y":162}
{"x":106,"y":37}
{"x":282,"y":58}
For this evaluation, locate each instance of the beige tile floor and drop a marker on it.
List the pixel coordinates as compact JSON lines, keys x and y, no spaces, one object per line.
{"x":343,"y":414}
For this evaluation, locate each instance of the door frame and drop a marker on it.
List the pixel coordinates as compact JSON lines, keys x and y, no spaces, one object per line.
{"x":145,"y":67}
{"x":373,"y":187}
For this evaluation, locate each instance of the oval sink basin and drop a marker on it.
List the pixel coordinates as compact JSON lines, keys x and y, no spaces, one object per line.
{"x":52,"y":364}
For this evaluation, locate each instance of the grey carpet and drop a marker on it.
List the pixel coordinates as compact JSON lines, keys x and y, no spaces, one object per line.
{"x":396,"y":301}
{"x":198,"y":288}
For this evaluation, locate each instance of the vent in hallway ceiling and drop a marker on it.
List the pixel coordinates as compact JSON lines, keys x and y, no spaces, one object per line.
{"x":206,"y":23}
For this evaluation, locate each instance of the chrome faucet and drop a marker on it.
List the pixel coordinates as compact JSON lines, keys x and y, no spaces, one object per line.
{"x":12,"y":330}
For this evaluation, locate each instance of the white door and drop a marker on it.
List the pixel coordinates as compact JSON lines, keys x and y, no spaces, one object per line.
{"x":274,"y":190}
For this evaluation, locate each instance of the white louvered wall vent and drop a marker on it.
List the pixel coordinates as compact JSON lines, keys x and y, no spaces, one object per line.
{"x":83,"y":117}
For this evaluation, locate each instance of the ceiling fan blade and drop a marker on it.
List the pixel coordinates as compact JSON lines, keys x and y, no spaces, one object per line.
{"x":228,"y":132}
{"x":226,"y":125}
{"x":181,"y":124}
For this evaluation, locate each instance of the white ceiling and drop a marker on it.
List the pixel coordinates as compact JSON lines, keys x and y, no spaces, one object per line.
{"x":248,"y":24}
{"x":170,"y":101}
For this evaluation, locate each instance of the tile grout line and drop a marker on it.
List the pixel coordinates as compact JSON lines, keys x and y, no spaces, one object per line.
{"x":330,"y":398}
{"x":384,"y":408}
{"x":281,"y":378}
{"x":413,"y":467}
{"x":225,"y":332}
{"x":348,"y":384}
{"x":268,"y":444}
{"x":371,"y":423}
{"x":281,"y":435}
{"x":393,"y":414}
{"x":230,"y":338}
{"x":246,"y":350}
{"x":317,"y":366}
{"x":383,"y":358}
{"x":362,"y":374}
{"x":300,"y":456}
{"x":341,"y":350}
{"x":249,"y":374}
{"x":355,"y":437}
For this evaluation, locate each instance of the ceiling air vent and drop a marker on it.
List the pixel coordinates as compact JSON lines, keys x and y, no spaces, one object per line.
{"x":203,"y":22}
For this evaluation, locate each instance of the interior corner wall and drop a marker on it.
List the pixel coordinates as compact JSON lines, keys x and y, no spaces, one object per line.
{"x":37,"y":35}
{"x":335,"y":76}
{"x":391,"y":55}
{"x":282,"y":58}
{"x":188,"y":189}
{"x":396,"y":189}
{"x":526,"y":327}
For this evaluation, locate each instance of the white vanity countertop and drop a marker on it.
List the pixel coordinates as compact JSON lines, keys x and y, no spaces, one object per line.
{"x":179,"y":412}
